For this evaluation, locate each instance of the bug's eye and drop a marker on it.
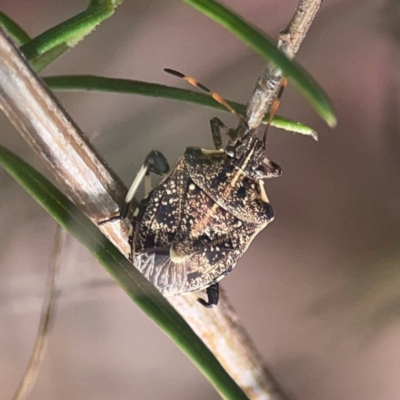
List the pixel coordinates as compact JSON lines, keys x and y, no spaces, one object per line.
{"x":230,"y":150}
{"x":272,"y":169}
{"x":260,"y":171}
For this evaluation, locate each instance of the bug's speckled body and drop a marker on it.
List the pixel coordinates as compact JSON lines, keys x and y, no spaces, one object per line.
{"x":191,"y":230}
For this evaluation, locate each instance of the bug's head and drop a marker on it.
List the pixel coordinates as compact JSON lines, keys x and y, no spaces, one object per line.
{"x":246,"y":150}
{"x":248,"y":154}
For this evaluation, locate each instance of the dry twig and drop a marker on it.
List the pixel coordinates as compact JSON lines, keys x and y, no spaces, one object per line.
{"x":46,"y":319}
{"x":289,"y":42}
{"x":93,"y":187}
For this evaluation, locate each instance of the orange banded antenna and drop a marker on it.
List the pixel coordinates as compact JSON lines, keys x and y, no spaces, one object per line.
{"x":217,"y":97}
{"x":274,"y":109}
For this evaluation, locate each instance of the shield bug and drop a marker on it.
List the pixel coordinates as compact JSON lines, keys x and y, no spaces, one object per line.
{"x":190,"y":231}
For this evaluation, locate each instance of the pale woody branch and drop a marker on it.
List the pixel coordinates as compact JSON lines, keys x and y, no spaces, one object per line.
{"x":289,"y":42}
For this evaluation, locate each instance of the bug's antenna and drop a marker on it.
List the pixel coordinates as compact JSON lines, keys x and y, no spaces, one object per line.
{"x":274,"y":108}
{"x":217,"y":97}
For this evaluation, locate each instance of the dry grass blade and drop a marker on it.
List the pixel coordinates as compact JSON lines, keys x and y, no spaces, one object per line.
{"x":46,"y":319}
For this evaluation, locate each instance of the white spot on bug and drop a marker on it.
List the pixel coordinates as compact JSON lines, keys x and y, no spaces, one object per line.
{"x":192,"y":186}
{"x":207,"y":152}
{"x":175,"y":257}
{"x":263,"y":195}
{"x":136,"y":213}
{"x":219,"y":278}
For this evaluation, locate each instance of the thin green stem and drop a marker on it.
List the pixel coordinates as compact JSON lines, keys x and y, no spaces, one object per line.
{"x":13,"y":29}
{"x":113,"y":85}
{"x":39,"y":63}
{"x":70,"y":31}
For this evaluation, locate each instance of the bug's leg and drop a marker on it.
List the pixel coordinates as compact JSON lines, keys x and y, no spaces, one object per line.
{"x":213,"y":296}
{"x":147,"y":184}
{"x":156,"y":163}
{"x":216,"y":126}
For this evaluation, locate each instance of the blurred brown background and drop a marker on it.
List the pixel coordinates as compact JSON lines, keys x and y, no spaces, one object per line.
{"x":318,"y":290}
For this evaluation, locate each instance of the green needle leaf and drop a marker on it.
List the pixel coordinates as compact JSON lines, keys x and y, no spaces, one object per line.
{"x":68,"y":33}
{"x":13,"y":29}
{"x":142,"y":292}
{"x":90,"y":82}
{"x":261,"y":44}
